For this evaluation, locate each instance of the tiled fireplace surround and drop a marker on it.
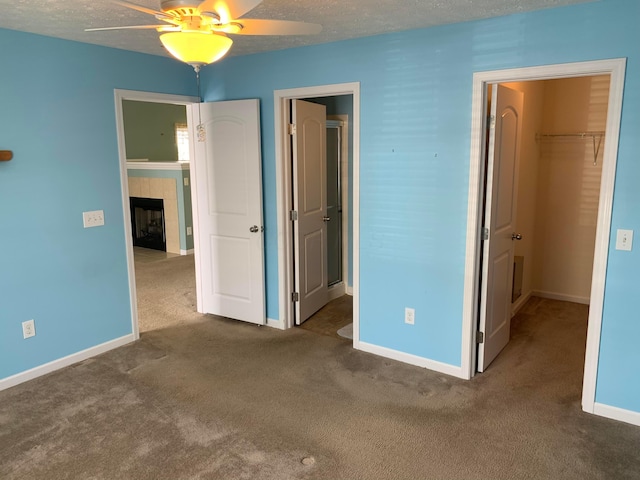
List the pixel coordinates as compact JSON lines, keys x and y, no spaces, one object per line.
{"x":167,"y":181}
{"x":164,"y":189}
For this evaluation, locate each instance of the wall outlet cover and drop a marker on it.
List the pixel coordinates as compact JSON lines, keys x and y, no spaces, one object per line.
{"x":28,"y":329}
{"x":409,"y":316}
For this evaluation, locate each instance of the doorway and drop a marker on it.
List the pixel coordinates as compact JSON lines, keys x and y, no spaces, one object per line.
{"x":284,"y":173}
{"x":171,"y":204}
{"x":548,"y":205}
{"x":615,"y":69}
{"x":321,"y":202}
{"x":337,"y":203}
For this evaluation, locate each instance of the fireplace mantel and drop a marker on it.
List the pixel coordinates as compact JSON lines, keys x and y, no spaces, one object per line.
{"x":143,"y":164}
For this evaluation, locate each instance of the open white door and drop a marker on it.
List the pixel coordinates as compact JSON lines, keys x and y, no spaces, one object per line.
{"x":310,"y":202}
{"x":226,"y":176}
{"x":500,"y":215}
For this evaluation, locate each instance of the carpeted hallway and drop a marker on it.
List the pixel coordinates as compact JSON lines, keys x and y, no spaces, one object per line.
{"x":201,"y":397}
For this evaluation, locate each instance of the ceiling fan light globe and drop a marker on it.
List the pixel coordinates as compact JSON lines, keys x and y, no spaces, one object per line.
{"x":196,"y":48}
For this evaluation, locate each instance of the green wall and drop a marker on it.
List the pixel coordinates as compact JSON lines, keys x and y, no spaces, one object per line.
{"x":150,"y":129}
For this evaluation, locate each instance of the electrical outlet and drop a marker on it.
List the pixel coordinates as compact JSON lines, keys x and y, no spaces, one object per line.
{"x":28,"y":329}
{"x":94,"y":218}
{"x":189,"y":230}
{"x":409,"y":315}
{"x":185,"y":180}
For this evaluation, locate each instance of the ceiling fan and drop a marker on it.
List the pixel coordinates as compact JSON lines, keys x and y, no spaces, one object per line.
{"x":196,"y":32}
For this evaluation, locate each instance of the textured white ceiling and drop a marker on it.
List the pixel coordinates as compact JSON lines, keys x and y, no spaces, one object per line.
{"x":340,"y":19}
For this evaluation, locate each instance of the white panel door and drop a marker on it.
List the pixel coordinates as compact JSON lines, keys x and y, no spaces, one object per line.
{"x":500,"y":215}
{"x":227,"y":183}
{"x":310,"y":201}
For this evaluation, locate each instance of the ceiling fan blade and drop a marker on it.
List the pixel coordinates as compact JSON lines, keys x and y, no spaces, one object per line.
{"x":252,"y":26}
{"x":142,"y":9}
{"x":228,"y":10}
{"x":165,"y":28}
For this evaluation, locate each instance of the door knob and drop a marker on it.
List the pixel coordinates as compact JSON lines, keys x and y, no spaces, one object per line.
{"x":254,"y":229}
{"x":326,"y":219}
{"x":516,"y":236}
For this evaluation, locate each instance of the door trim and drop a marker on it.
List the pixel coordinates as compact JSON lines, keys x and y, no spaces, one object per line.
{"x":616,"y":69}
{"x":344,"y":193}
{"x":119,"y":96}
{"x":284,"y":195}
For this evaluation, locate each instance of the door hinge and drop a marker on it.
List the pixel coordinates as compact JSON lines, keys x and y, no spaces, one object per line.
{"x":292,"y":129}
{"x":491,"y":121}
{"x":295,"y":297}
{"x":479,"y":337}
{"x":293,"y":215}
{"x":485,"y":233}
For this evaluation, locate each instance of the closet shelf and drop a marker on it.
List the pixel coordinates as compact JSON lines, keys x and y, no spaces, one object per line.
{"x":596,"y":138}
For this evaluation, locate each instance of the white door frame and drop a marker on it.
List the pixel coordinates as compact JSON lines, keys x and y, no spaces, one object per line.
{"x":339,"y":289}
{"x":150,"y":97}
{"x":284,"y":195}
{"x":616,"y":69}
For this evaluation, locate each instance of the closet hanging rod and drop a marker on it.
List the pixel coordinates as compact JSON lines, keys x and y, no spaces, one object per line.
{"x":593,"y":135}
{"x":579,"y":135}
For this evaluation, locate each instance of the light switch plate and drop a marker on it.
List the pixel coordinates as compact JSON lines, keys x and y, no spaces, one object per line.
{"x":624,"y":240}
{"x":185,"y":180}
{"x":94,"y":218}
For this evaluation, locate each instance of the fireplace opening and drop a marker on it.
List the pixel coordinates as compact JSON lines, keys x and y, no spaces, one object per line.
{"x":147,"y":222}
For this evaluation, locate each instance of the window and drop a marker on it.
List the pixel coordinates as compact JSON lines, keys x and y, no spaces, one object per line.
{"x":182,"y":141}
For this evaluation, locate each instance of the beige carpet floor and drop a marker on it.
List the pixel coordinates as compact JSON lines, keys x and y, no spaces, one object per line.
{"x":211,"y":398}
{"x":166,"y":290}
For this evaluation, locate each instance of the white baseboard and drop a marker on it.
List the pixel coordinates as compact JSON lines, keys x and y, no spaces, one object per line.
{"x":410,"y":359}
{"x":336,"y":291}
{"x":519,"y":303}
{"x":35,"y":372}
{"x":186,"y":252}
{"x":349,"y":290}
{"x":561,"y":296}
{"x":616,"y":413}
{"x":279,"y":324}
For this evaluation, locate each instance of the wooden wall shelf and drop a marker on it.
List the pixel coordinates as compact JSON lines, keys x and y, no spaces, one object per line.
{"x":5,"y":155}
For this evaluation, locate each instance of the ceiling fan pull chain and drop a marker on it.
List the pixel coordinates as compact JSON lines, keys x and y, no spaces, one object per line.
{"x":202,"y":134}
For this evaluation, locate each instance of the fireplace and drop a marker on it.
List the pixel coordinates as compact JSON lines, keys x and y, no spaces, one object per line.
{"x":147,"y":223}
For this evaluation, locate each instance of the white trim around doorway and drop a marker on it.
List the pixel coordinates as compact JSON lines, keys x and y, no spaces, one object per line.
{"x":342,"y":288}
{"x":119,"y":96}
{"x":284,"y":195}
{"x":616,"y":69}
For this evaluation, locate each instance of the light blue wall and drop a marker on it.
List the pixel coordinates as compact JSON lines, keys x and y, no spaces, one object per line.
{"x":415,"y":140}
{"x":57,"y":114}
{"x":415,"y":137}
{"x":184,"y":199}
